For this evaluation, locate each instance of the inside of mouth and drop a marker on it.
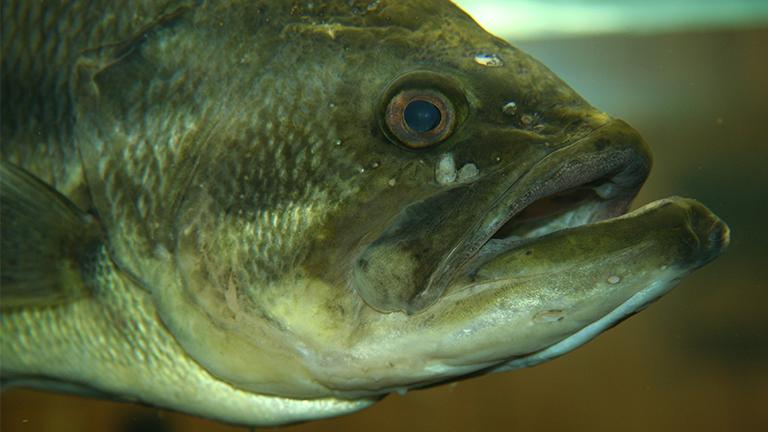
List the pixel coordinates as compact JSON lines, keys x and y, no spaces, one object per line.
{"x":565,"y":209}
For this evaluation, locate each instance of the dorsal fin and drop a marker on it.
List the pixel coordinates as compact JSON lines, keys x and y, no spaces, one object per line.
{"x":44,"y":238}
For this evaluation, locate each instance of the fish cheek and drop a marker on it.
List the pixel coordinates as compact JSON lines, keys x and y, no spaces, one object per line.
{"x":384,"y":276}
{"x":397,"y":271}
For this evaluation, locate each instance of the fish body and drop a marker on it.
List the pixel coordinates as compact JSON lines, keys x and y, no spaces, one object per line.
{"x":264,"y":212}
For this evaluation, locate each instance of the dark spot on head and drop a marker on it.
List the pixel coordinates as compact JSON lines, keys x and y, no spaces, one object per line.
{"x":528,"y":252}
{"x":602,"y":143}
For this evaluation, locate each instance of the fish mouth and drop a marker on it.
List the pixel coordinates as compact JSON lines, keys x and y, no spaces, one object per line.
{"x":569,"y":208}
{"x":612,"y":262}
{"x":554,"y":261}
{"x":577,"y":260}
{"x":573,"y":206}
{"x":592,"y":185}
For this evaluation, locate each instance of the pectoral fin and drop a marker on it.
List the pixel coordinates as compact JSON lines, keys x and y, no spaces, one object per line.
{"x":44,"y":240}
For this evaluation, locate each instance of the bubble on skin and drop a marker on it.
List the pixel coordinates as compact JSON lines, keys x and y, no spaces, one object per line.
{"x":510,"y":108}
{"x":445,"y":172}
{"x":613,"y":279}
{"x":489,"y":60}
{"x":375,"y":164}
{"x":362,"y":10}
{"x":338,"y":143}
{"x":468,"y":172}
{"x":372,"y":6}
{"x":526,"y":119}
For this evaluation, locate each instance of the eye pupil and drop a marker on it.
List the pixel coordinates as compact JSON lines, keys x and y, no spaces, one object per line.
{"x":422,"y":116}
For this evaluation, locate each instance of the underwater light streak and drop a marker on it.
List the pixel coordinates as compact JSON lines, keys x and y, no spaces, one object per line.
{"x":520,"y":19}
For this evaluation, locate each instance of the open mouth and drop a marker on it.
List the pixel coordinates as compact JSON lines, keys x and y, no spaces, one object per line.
{"x":586,"y":203}
{"x":569,"y":208}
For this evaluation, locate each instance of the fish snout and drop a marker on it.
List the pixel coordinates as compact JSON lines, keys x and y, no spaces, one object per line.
{"x":621,"y":155}
{"x":710,"y":236}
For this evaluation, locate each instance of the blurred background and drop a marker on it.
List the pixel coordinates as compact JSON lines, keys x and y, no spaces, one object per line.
{"x":692,"y":77}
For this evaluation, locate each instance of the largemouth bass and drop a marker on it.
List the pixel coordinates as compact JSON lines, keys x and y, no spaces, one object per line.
{"x":270,"y":211}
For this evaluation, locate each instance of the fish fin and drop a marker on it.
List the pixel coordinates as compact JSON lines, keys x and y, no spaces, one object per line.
{"x":44,"y":238}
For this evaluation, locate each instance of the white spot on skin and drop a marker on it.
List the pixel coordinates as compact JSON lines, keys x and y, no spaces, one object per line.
{"x":392,"y":182}
{"x":445,"y":172}
{"x":510,"y":108}
{"x":489,"y":60}
{"x":553,"y":315}
{"x":372,"y":6}
{"x":468,"y":172}
{"x":613,"y":280}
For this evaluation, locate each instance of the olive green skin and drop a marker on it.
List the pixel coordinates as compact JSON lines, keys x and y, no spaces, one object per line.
{"x":258,"y":213}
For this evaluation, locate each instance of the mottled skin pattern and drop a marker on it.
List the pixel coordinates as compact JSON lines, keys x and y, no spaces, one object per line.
{"x":257,"y":221}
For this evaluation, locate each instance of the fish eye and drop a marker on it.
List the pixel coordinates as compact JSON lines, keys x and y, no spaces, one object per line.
{"x":420,"y":118}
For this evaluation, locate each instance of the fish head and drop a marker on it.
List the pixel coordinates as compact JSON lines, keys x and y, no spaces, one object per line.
{"x":386,"y":197}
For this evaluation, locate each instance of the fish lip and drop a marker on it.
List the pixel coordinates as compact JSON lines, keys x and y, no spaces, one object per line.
{"x":625,"y":169}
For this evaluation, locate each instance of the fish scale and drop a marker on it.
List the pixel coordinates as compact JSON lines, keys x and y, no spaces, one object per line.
{"x":36,"y":105}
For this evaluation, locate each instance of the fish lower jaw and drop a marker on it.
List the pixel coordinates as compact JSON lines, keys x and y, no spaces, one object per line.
{"x":631,"y":306}
{"x":563,"y":289}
